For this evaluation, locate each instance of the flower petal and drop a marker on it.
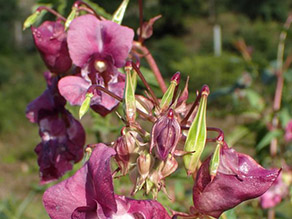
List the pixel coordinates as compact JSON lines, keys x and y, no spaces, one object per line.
{"x":239,"y":178}
{"x":84,"y":38}
{"x":73,"y":89}
{"x":50,"y":40}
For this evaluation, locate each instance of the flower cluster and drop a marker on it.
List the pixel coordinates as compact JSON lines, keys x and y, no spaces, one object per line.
{"x":84,"y":63}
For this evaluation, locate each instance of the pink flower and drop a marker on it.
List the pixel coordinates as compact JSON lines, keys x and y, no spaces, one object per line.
{"x":98,"y":48}
{"x":50,"y":40}
{"x":239,"y":178}
{"x":275,"y":194}
{"x":62,"y":136}
{"x":89,"y":193}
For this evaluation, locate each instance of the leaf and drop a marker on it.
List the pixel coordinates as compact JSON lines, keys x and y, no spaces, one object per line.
{"x":255,"y":100}
{"x":268,"y":138}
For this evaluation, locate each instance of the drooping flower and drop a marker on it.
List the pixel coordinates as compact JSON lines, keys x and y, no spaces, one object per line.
{"x":275,"y":194}
{"x":62,"y":136}
{"x":50,"y":40}
{"x":98,"y":48}
{"x":238,"y":178}
{"x":288,"y":132}
{"x":165,"y":135}
{"x":89,"y":193}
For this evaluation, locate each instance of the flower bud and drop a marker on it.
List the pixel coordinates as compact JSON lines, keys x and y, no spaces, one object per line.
{"x":168,"y":95}
{"x":119,"y":13}
{"x":197,"y":135}
{"x":165,"y":135}
{"x":238,"y":178}
{"x":122,"y":154}
{"x":167,"y":167}
{"x":144,"y":164}
{"x":215,"y":161}
{"x":31,"y":20}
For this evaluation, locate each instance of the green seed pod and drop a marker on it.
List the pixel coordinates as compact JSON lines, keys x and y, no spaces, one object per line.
{"x":129,"y":95}
{"x":120,"y":12}
{"x":85,"y":105}
{"x":215,"y":161}
{"x":197,"y":135}
{"x":31,"y":20}
{"x":168,"y":95}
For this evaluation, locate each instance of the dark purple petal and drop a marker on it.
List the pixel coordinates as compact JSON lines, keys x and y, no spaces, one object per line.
{"x":43,"y":102}
{"x":100,"y":173}
{"x":239,"y":178}
{"x":62,"y":144}
{"x":73,"y":89}
{"x":103,"y":103}
{"x":147,"y":209}
{"x":62,"y":199}
{"x":90,"y":188}
{"x":50,"y":39}
{"x":88,"y":36}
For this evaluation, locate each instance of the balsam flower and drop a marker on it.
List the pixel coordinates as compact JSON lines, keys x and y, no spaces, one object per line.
{"x":51,"y":41}
{"x":98,"y":48}
{"x":62,"y":136}
{"x":89,"y":193}
{"x":238,"y":178}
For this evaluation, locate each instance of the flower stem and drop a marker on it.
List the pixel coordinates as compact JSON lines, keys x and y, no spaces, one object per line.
{"x":146,"y":84}
{"x":280,"y":83}
{"x":41,"y":8}
{"x":153,"y":65}
{"x":148,"y":117}
{"x":195,"y":104}
{"x":87,"y":8}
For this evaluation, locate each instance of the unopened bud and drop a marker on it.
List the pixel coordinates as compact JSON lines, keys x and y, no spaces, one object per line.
{"x":168,"y":95}
{"x":122,"y":154}
{"x":144,"y":164}
{"x":120,"y":12}
{"x":129,"y":97}
{"x":165,"y":135}
{"x":168,"y":167}
{"x":197,"y":134}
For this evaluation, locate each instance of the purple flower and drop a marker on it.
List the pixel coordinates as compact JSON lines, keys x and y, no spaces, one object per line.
{"x":62,"y":136}
{"x":275,"y":194}
{"x":89,"y":193}
{"x":165,"y":135}
{"x":98,"y":48}
{"x":239,"y":178}
{"x":50,"y":40}
{"x":288,"y":132}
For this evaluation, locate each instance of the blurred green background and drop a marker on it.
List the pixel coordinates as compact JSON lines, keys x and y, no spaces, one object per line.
{"x":240,"y":103}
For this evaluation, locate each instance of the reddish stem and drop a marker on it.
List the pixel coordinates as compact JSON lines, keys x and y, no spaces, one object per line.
{"x":152,"y":64}
{"x":41,"y":8}
{"x":220,"y":136}
{"x":196,"y":103}
{"x":88,"y":8}
{"x":146,"y":84}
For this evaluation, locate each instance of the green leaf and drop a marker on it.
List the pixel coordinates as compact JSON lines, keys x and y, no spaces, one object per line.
{"x":120,"y":12}
{"x":268,"y":138}
{"x":255,"y":100}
